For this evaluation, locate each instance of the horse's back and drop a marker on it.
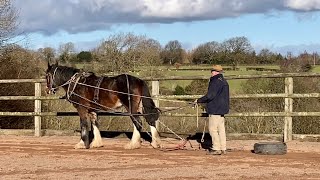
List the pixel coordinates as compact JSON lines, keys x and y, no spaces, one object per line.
{"x":124,"y":79}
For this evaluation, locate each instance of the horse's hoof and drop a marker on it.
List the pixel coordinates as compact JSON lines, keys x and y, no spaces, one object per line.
{"x":155,"y":145}
{"x":96,"y":144}
{"x":80,"y":145}
{"x":132,"y":146}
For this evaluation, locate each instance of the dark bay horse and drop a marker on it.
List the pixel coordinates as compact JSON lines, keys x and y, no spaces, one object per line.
{"x":90,"y":93}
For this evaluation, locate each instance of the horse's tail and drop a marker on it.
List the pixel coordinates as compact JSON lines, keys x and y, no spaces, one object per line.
{"x":150,"y":110}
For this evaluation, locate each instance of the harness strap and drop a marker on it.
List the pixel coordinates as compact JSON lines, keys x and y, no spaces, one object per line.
{"x":129,"y":100}
{"x":97,"y":90}
{"x":74,"y":79}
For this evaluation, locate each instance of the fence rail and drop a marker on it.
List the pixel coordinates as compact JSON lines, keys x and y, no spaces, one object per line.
{"x":288,"y":95}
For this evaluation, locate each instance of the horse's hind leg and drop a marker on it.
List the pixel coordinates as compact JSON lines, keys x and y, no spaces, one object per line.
{"x":135,"y":141}
{"x":97,"y":141}
{"x":156,"y":141}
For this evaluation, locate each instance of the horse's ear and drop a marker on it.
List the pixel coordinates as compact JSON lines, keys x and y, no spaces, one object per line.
{"x":49,"y":65}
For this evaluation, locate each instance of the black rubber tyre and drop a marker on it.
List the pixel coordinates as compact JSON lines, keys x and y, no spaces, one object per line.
{"x":270,"y":148}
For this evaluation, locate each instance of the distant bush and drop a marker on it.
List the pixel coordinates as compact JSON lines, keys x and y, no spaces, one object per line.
{"x":18,"y":63}
{"x":197,"y":87}
{"x":179,"y":90}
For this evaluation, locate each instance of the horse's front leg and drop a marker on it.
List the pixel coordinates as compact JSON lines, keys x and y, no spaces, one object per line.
{"x":97,"y":141}
{"x":85,"y":123}
{"x":135,"y":142}
{"x":84,"y":141}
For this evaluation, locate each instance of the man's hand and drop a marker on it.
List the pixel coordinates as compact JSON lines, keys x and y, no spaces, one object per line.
{"x":194,"y":103}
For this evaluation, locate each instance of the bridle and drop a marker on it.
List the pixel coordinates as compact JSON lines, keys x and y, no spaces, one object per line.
{"x":51,"y":78}
{"x":50,"y":81}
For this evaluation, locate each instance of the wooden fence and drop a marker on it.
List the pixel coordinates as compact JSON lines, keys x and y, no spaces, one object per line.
{"x":288,"y":96}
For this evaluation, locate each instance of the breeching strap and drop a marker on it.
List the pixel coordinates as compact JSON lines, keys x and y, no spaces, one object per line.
{"x":97,"y":90}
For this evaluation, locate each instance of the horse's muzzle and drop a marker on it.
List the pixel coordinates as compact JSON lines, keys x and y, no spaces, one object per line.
{"x":50,"y":91}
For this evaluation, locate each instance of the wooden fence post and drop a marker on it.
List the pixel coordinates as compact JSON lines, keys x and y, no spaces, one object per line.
{"x":155,"y":94}
{"x":37,"y":109}
{"x":288,"y":107}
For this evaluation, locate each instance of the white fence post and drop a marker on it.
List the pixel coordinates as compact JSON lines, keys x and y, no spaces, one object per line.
{"x":155,"y":94}
{"x":37,"y":109}
{"x":288,"y":107}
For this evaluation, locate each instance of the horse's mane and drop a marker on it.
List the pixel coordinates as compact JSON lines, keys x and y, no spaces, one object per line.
{"x":68,"y":70}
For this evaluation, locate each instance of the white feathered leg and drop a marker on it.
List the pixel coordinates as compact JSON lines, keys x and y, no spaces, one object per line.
{"x":135,"y":142}
{"x":156,"y":141}
{"x":97,"y":141}
{"x":80,"y":145}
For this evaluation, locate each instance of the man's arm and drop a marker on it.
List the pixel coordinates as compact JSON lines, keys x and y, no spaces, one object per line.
{"x":212,"y":92}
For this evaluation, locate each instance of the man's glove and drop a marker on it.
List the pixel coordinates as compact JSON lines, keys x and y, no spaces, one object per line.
{"x":194,"y":103}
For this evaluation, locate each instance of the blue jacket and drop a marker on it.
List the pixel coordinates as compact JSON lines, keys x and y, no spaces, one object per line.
{"x":217,"y":97}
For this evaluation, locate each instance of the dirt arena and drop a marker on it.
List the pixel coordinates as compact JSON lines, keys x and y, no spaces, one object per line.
{"x":53,"y":157}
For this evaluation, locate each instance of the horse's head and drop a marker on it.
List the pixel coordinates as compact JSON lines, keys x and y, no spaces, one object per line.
{"x":52,"y":85}
{"x":59,"y":76}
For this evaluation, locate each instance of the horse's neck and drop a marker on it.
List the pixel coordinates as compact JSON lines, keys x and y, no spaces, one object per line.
{"x":64,"y":77}
{"x":64,"y":81}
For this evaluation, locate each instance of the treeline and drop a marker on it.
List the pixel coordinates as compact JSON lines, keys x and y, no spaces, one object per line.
{"x":123,"y":52}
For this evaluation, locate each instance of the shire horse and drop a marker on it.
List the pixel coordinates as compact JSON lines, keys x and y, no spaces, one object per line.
{"x":90,"y":93}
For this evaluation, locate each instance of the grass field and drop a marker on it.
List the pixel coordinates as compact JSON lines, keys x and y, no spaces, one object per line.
{"x":235,"y":85}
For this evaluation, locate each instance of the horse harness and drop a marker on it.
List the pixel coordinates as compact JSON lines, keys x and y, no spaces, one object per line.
{"x":97,"y":89}
{"x":75,"y":80}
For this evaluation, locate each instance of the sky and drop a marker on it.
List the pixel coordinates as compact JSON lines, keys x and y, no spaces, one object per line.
{"x":279,"y":25}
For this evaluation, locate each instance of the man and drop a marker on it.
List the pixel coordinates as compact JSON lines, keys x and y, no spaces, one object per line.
{"x":217,"y":105}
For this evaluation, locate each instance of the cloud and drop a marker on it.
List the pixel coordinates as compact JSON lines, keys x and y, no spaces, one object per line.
{"x":303,"y":5}
{"x":74,"y":16}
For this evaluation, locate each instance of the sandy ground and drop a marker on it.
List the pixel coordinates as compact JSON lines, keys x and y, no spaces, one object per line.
{"x":26,"y":157}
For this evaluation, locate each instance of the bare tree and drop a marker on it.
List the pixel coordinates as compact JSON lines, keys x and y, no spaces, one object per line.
{"x":206,"y":53}
{"x":236,"y":49}
{"x":48,"y":53}
{"x":172,"y":52}
{"x":67,"y":52}
{"x":148,"y":56}
{"x":126,"y":52}
{"x":111,"y":52}
{"x":8,"y":21}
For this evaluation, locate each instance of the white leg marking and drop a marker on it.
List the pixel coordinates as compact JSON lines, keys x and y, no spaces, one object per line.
{"x":156,"y":141}
{"x":80,"y":145}
{"x":135,"y":142}
{"x":97,"y":141}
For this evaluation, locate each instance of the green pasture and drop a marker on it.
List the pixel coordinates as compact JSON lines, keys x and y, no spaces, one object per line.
{"x":235,"y":85}
{"x":316,"y":69}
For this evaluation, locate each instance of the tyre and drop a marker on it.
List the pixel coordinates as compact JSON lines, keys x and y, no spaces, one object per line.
{"x":270,"y":148}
